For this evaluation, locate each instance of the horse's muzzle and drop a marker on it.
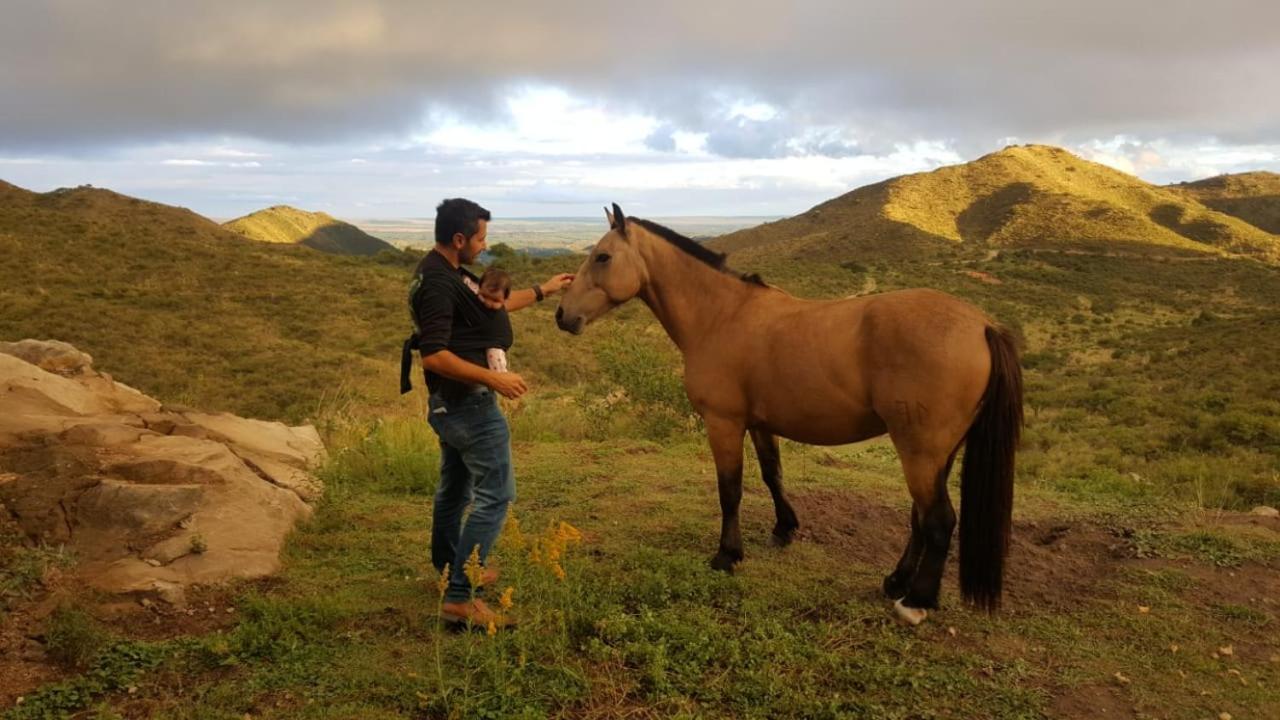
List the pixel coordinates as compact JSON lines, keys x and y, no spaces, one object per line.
{"x":570,"y":326}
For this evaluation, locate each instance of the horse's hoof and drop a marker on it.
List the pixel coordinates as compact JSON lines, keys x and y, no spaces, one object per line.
{"x":896,"y":586}
{"x":723,"y":562}
{"x":782,"y":537}
{"x":908,"y":615}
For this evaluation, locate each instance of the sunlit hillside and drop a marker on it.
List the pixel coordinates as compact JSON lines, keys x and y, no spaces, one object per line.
{"x":1252,"y":196}
{"x":289,"y":225}
{"x":1022,"y":196}
{"x":172,"y":303}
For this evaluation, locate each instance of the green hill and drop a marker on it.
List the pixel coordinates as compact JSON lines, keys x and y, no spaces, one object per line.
{"x":289,"y":225}
{"x":176,"y":305}
{"x":1022,"y":196}
{"x":1253,"y":197}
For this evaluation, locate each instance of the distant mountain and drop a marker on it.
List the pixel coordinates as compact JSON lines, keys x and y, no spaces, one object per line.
{"x":1253,"y":197}
{"x":182,"y":308}
{"x":289,"y":225}
{"x":1022,"y":196}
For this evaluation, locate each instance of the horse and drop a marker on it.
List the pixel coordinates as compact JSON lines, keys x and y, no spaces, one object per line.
{"x":931,"y":370}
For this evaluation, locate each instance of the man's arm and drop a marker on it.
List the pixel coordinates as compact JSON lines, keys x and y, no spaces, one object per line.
{"x":444,"y":362}
{"x":520,"y":299}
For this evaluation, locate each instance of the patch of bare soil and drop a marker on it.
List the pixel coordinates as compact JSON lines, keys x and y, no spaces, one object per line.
{"x":1049,"y":565}
{"x":1058,"y":567}
{"x":25,"y":666}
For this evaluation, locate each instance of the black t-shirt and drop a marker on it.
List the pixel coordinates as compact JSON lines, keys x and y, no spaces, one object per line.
{"x":450,"y":316}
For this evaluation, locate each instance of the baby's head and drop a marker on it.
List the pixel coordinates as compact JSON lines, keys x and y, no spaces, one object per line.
{"x":495,"y":288}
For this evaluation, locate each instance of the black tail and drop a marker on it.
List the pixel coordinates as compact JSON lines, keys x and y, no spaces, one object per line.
{"x":986,"y":478}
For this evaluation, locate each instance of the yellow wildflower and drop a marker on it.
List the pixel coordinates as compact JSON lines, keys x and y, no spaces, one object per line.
{"x":492,"y":629}
{"x":513,"y":535}
{"x":473,"y":568}
{"x":505,"y":601}
{"x":443,"y":583}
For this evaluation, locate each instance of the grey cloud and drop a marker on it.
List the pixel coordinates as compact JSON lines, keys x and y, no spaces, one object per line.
{"x":743,"y":138}
{"x":661,"y":139}
{"x":82,"y":73}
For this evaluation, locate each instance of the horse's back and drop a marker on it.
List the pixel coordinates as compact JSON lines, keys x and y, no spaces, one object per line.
{"x":832,"y":372}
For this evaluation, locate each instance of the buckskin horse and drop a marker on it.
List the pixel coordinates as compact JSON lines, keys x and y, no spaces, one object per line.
{"x":931,"y":370}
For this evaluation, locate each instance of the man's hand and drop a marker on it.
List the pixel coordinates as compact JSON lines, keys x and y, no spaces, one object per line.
{"x":556,"y":283}
{"x":509,"y":385}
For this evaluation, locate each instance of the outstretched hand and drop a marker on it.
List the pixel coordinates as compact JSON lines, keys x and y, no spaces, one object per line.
{"x":557,"y":283}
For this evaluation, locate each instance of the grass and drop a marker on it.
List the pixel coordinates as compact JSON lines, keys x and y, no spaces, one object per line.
{"x":1151,"y":401}
{"x":639,"y":625}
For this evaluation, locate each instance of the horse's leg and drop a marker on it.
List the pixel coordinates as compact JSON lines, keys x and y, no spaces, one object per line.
{"x":927,"y":481}
{"x":898,"y":582}
{"x":726,"y":448}
{"x":770,"y":458}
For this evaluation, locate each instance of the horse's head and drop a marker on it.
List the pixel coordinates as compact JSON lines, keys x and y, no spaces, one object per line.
{"x":613,"y":273}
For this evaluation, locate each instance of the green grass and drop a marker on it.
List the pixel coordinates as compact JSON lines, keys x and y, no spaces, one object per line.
{"x":1151,"y":404}
{"x":640,"y":624}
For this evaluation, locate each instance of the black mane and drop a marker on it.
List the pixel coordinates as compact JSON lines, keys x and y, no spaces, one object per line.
{"x":697,"y":250}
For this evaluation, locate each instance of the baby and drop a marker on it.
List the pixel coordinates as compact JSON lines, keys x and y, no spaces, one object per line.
{"x":495,"y":288}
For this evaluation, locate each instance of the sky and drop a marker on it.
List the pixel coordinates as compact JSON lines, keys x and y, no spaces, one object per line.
{"x":379,"y":109}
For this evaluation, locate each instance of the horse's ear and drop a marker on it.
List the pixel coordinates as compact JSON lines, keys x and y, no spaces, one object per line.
{"x":609,"y":216}
{"x":619,"y":221}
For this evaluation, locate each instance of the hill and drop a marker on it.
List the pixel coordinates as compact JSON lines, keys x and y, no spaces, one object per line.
{"x":289,"y":225}
{"x":1253,"y":197}
{"x":1022,"y":196}
{"x":184,"y":309}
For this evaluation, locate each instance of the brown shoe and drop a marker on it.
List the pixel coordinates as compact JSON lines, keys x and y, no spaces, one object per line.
{"x":474,"y":612}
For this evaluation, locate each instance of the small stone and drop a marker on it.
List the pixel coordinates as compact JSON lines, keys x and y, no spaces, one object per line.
{"x":1224,"y":716}
{"x":152,"y":562}
{"x":1174,"y":648}
{"x":145,"y":602}
{"x":1121,"y":678}
{"x":951,"y":631}
{"x":1265,"y":511}
{"x":21,"y":699}
{"x":131,"y":689}
{"x":231,"y":611}
{"x":1226,"y":651}
{"x":1144,"y":609}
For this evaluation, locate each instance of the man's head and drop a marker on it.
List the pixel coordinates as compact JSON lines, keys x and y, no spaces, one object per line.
{"x":463,"y":227}
{"x":495,"y":288}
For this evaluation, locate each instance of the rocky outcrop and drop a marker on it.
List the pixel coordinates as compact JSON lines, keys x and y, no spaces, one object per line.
{"x":150,"y":498}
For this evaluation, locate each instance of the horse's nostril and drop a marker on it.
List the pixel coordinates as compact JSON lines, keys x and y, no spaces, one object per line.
{"x":559,"y":314}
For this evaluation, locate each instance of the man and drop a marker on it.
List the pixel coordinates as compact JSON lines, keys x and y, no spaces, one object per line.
{"x":454,"y":332}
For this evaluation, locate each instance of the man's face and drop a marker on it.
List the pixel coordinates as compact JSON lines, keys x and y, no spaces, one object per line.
{"x":471,"y":247}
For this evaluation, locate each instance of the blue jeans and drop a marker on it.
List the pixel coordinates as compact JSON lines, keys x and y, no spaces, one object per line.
{"x":475,"y":469}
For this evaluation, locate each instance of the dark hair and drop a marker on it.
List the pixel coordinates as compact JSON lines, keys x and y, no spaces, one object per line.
{"x":458,"y":215}
{"x":496,"y":281}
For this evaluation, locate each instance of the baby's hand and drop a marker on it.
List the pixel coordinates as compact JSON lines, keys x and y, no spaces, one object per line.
{"x":492,"y":304}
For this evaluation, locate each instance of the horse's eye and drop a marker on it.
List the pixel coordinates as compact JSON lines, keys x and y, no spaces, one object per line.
{"x":602,"y":258}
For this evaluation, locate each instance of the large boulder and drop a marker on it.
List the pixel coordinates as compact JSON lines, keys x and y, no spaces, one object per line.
{"x":150,"y":498}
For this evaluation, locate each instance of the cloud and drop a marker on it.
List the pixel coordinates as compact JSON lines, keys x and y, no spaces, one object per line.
{"x":82,"y":73}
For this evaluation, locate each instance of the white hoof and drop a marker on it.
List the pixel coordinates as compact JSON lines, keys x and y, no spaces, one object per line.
{"x":907,"y":615}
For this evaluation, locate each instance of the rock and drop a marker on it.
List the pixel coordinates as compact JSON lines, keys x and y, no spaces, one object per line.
{"x":1265,"y":511}
{"x":299,"y":447}
{"x":98,"y":466}
{"x":52,"y":356}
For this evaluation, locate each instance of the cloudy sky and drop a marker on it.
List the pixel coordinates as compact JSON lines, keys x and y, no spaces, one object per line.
{"x":553,"y":108}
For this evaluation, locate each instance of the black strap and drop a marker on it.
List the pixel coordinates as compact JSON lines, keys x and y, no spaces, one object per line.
{"x":406,"y":362}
